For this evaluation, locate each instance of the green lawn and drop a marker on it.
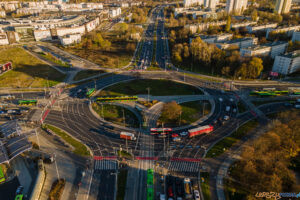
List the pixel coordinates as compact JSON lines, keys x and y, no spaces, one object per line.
{"x":160,"y":87}
{"x":114,"y":113}
{"x":205,"y":185}
{"x":87,"y":73}
{"x":27,"y":71}
{"x":122,"y":179}
{"x":193,"y":110}
{"x":79,"y":148}
{"x":227,"y":142}
{"x":55,"y":60}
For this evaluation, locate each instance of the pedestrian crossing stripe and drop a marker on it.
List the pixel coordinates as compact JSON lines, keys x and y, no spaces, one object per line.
{"x":184,"y":166}
{"x":105,"y":165}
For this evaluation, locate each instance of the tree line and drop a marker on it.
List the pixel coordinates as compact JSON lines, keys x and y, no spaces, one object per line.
{"x":200,"y":56}
{"x":268,"y":163}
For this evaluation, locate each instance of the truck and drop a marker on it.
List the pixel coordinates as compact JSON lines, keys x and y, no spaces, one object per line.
{"x":200,"y":130}
{"x":127,"y":136}
{"x":187,"y":188}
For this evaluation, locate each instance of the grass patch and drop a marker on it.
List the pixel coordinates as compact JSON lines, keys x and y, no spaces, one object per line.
{"x":79,"y":148}
{"x":160,"y":87}
{"x":229,"y":141}
{"x":241,"y":107}
{"x":258,"y":103}
{"x":27,"y":71}
{"x":124,"y":154}
{"x":51,"y":58}
{"x":87,"y":73}
{"x":205,"y":185}
{"x":212,"y":79}
{"x":193,"y":110}
{"x":114,"y":113}
{"x":57,"y":189}
{"x":122,"y":178}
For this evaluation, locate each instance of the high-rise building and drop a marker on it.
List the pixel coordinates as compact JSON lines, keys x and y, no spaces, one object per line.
{"x":210,"y":4}
{"x":283,"y":6}
{"x":188,"y":3}
{"x":236,"y":5}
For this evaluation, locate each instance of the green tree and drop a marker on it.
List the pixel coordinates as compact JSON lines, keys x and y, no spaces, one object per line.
{"x":255,"y":67}
{"x":228,"y":24}
{"x":171,"y":112}
{"x":254,"y":15}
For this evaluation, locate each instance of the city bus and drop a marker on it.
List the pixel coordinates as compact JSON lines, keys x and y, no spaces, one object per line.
{"x":114,"y":99}
{"x":90,"y":92}
{"x":27,"y":102}
{"x":150,"y":181}
{"x":2,"y":177}
{"x":19,"y":197}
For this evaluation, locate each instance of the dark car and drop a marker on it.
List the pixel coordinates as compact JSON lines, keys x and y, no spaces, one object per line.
{"x":19,"y":190}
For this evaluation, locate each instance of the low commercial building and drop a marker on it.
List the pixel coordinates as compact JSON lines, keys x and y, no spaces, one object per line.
{"x":70,"y":39}
{"x":296,"y":36}
{"x":288,"y":63}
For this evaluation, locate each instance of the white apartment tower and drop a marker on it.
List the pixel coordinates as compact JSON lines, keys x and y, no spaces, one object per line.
{"x":236,"y":5}
{"x":283,"y":6}
{"x":188,"y":3}
{"x":211,"y":4}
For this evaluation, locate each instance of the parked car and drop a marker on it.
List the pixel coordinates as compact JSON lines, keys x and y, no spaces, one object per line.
{"x":184,"y":133}
{"x":226,"y":117}
{"x":196,"y":195}
{"x":19,"y":190}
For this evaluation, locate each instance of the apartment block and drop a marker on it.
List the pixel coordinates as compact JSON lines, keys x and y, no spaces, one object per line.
{"x":288,"y":63}
{"x":282,"y":6}
{"x":296,"y":36}
{"x":236,"y":6}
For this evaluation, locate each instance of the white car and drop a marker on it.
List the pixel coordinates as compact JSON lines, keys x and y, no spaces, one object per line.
{"x":231,"y":99}
{"x":182,"y":134}
{"x":226,"y":117}
{"x":220,"y":99}
{"x":197,"y":195}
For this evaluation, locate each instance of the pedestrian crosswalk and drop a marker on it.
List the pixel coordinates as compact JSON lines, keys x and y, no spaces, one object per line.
{"x":184,"y":166}
{"x":105,"y":165}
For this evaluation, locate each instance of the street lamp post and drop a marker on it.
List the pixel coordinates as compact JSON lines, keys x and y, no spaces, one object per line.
{"x":148,"y":93}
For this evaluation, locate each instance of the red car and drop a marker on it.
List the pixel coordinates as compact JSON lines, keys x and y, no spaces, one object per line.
{"x":170,"y":192}
{"x":174,"y":135}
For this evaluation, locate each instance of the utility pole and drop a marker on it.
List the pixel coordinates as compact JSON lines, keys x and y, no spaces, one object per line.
{"x":102,"y":111}
{"x":148,"y":93}
{"x":124,"y":120}
{"x":203,"y":109}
